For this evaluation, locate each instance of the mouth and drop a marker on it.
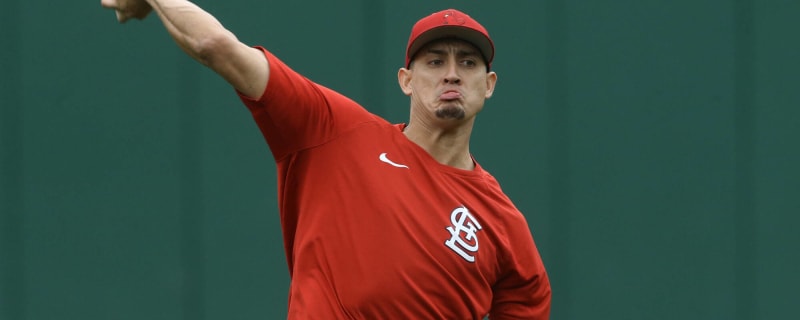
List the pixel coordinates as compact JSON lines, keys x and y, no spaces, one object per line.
{"x":450,"y":95}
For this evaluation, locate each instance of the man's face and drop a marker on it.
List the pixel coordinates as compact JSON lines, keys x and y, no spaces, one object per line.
{"x":448,"y":80}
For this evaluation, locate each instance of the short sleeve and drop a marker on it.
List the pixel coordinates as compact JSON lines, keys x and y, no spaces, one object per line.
{"x":523,"y":290}
{"x":294,"y":113}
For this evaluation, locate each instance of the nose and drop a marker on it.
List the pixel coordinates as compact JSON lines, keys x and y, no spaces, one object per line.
{"x":452,"y":77}
{"x":452,"y":80}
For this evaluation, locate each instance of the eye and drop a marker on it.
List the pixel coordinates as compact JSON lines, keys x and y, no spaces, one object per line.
{"x":469,"y":63}
{"x":436,"y":62}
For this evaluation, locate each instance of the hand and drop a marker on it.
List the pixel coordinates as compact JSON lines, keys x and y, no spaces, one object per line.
{"x":127,"y":9}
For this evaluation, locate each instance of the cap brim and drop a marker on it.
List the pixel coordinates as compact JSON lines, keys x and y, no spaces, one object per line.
{"x":476,"y":38}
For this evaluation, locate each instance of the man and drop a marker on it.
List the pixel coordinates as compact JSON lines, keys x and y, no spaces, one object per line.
{"x":381,"y":221}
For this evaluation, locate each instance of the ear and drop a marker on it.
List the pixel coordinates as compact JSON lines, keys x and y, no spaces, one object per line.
{"x":404,"y":80}
{"x":491,"y":81}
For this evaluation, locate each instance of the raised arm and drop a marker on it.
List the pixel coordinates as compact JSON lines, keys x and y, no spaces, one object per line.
{"x":203,"y":38}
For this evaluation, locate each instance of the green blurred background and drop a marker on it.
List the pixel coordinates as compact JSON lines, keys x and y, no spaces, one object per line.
{"x":653,"y":145}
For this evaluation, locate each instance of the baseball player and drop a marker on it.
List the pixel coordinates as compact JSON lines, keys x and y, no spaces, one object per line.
{"x":381,"y":220}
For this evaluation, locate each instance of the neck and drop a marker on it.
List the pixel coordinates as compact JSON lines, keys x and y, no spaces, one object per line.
{"x":448,"y":146}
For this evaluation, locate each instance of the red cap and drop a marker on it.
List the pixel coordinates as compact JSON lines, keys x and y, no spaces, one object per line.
{"x":449,"y":23}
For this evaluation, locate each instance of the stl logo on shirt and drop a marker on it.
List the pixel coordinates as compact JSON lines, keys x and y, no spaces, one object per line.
{"x":463,"y":238}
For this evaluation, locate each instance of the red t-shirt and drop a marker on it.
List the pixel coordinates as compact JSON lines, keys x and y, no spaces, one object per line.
{"x":375,"y":228}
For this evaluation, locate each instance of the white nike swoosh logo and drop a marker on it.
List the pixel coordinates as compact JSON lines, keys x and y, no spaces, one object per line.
{"x":383,"y":158}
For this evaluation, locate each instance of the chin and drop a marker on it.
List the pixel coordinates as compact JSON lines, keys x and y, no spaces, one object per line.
{"x":451,"y":113}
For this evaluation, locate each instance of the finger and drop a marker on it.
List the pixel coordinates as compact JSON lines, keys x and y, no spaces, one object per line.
{"x":122,"y":17}
{"x":111,"y":4}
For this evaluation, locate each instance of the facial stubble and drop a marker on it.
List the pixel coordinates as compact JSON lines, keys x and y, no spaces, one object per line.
{"x":450,"y":112}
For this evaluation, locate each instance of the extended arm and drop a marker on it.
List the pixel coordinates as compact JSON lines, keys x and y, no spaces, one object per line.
{"x":203,"y":38}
